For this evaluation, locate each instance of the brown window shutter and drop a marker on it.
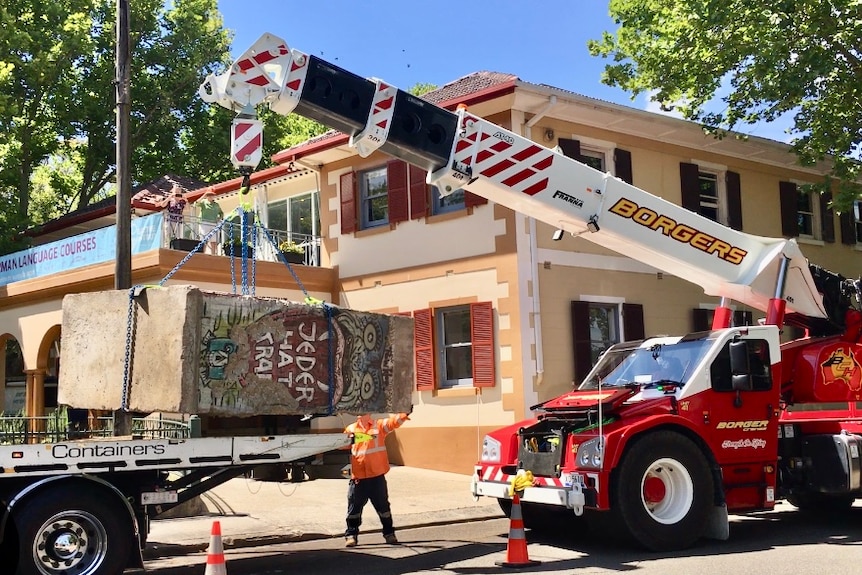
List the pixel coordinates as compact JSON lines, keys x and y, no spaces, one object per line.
{"x":581,"y":348}
{"x":482,"y":336}
{"x":827,"y":219}
{"x":570,"y":148}
{"x":348,"y":203}
{"x":396,"y":182}
{"x":633,"y":321}
{"x":734,"y":201}
{"x":471,"y":200}
{"x":419,"y":192}
{"x":623,"y":165}
{"x":787,"y":198}
{"x":848,"y":229}
{"x":700,"y":319}
{"x":423,"y":349}
{"x":689,"y":181}
{"x":742,"y":318}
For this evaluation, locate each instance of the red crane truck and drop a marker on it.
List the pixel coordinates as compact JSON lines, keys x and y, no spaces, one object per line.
{"x":667,"y":435}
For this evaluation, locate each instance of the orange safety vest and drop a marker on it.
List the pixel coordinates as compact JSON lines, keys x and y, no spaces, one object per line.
{"x":368,"y":452}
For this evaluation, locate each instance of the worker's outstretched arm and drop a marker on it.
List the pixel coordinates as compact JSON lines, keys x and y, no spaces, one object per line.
{"x":393,"y":422}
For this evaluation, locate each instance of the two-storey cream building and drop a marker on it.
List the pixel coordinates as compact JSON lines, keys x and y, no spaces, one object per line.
{"x":505,"y":316}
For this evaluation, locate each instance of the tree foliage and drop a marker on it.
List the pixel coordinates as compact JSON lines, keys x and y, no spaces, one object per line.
{"x":58,"y":95}
{"x":765,"y":59}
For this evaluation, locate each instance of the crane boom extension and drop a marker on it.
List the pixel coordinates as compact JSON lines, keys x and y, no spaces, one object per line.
{"x":460,"y":150}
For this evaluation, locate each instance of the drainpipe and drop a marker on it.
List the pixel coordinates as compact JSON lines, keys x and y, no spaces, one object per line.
{"x":534,"y":256}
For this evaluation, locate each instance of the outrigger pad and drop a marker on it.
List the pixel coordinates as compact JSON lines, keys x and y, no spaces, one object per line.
{"x":210,"y":353}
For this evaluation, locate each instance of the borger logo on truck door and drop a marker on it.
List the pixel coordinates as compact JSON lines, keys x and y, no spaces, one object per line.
{"x":678,"y":231}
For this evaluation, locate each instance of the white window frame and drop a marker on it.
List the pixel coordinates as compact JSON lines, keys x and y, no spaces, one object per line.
{"x":595,"y":301}
{"x":815,"y":215}
{"x":595,"y":148}
{"x":856,"y":216}
{"x":441,"y":351}
{"x":720,"y":173}
{"x":365,"y":200}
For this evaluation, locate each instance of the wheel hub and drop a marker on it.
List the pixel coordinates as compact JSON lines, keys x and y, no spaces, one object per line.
{"x":667,"y":491}
{"x":70,"y":543}
{"x":654,"y":490}
{"x":62,"y":544}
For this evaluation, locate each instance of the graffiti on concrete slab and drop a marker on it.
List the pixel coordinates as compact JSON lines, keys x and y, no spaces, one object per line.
{"x":262,"y":356}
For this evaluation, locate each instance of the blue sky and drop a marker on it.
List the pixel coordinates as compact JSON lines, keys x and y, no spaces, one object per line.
{"x":405,"y":42}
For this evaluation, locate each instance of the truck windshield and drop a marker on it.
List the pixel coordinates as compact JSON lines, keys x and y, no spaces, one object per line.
{"x":645,"y":363}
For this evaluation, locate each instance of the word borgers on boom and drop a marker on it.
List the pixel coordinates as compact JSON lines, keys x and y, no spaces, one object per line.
{"x":678,"y":231}
{"x":667,"y":226}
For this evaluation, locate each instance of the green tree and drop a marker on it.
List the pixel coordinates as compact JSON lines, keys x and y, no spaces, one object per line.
{"x":57,"y":104}
{"x":422,"y":88}
{"x":39,"y":45}
{"x":797,"y":57}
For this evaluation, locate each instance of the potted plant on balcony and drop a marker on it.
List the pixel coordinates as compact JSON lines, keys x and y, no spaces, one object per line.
{"x":293,"y":252}
{"x":237,"y":249}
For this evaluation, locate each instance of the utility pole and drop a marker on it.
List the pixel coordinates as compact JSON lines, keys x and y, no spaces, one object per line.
{"x":123,"y":262}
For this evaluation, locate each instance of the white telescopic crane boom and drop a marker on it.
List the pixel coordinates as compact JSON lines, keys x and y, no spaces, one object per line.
{"x":460,"y":150}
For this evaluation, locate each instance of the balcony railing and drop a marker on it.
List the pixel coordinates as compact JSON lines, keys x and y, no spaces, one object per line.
{"x":228,"y":241}
{"x":58,"y":426}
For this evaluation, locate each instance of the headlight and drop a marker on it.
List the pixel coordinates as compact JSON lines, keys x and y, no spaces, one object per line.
{"x":591,"y":453}
{"x":490,"y":450}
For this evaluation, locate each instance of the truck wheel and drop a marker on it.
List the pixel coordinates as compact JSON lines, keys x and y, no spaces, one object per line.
{"x":664,"y":492}
{"x":821,"y":503}
{"x":66,"y":530}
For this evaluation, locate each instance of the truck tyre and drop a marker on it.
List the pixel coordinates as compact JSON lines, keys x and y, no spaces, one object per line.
{"x":664,"y":492}
{"x":821,"y":503}
{"x":70,"y":529}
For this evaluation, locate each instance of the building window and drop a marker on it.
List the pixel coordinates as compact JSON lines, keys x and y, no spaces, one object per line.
{"x":857,"y":220}
{"x":604,"y":329}
{"x":593,"y":158}
{"x":709,"y":196}
{"x":296,"y":215}
{"x":713,"y":192}
{"x":373,"y":198}
{"x":805,"y":215}
{"x":597,"y":325}
{"x":455,"y":347}
{"x":443,"y":205}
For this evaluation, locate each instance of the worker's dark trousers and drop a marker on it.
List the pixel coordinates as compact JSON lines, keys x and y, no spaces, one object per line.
{"x":358,"y":494}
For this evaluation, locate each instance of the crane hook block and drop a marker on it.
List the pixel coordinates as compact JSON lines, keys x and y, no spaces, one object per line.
{"x":246,"y":136}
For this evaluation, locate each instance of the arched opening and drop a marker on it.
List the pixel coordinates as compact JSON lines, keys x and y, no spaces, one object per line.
{"x":48,"y":364}
{"x":13,"y":377}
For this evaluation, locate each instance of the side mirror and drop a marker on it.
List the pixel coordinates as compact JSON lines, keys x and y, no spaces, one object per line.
{"x":740,"y":370}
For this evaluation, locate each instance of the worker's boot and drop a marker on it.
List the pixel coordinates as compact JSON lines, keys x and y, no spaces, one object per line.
{"x":351,"y":541}
{"x":391,"y":539}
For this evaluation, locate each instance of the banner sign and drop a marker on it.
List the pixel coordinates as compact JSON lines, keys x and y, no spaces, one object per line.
{"x":95,"y":247}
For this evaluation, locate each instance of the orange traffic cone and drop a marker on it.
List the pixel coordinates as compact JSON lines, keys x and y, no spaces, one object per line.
{"x":516,"y":548}
{"x":215,"y":553}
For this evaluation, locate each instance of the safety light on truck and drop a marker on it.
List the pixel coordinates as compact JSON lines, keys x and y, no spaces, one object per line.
{"x":490,"y":450}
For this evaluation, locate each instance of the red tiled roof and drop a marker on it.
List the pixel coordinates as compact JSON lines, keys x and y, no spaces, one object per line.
{"x":158,"y":189}
{"x":468,"y":85}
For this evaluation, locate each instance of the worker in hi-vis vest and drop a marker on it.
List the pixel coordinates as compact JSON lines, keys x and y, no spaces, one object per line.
{"x":368,"y":467}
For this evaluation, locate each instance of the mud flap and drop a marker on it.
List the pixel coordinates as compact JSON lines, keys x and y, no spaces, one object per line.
{"x":717,"y":524}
